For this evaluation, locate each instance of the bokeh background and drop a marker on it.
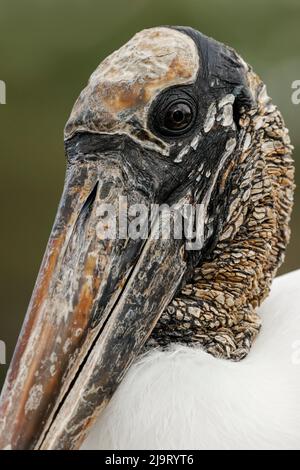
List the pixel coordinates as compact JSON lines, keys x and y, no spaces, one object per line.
{"x":48,"y":49}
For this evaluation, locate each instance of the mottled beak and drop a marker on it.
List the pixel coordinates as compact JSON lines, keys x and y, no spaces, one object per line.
{"x":98,"y":296}
{"x":96,"y":300}
{"x":137,"y":136}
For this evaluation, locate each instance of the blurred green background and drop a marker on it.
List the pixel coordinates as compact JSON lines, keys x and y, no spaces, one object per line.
{"x":48,"y":49}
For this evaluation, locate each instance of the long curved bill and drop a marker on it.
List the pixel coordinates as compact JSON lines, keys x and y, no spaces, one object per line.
{"x":96,"y":300}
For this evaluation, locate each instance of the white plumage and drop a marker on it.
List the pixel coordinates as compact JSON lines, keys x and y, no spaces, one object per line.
{"x":184,"y":398}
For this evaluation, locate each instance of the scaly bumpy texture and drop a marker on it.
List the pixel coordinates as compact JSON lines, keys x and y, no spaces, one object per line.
{"x":217,"y":308}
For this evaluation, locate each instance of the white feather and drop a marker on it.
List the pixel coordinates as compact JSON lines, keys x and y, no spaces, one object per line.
{"x":184,"y":398}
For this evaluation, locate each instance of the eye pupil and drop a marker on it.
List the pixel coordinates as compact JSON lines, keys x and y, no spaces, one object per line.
{"x":174,"y":113}
{"x":178,"y":116}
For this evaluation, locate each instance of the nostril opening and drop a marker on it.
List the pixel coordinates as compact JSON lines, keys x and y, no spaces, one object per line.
{"x":78,"y":232}
{"x":88,"y":205}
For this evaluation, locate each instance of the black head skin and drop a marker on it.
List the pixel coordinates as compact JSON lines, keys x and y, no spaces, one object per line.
{"x":173,"y":117}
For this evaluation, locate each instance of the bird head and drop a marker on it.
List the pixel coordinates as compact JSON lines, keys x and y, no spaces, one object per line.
{"x":172,"y":118}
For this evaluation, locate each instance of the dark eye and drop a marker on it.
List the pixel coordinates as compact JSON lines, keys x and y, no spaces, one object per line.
{"x":173,"y":113}
{"x":178,"y":116}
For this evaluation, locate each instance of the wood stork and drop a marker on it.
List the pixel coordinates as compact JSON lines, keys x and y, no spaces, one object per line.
{"x":176,"y":118}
